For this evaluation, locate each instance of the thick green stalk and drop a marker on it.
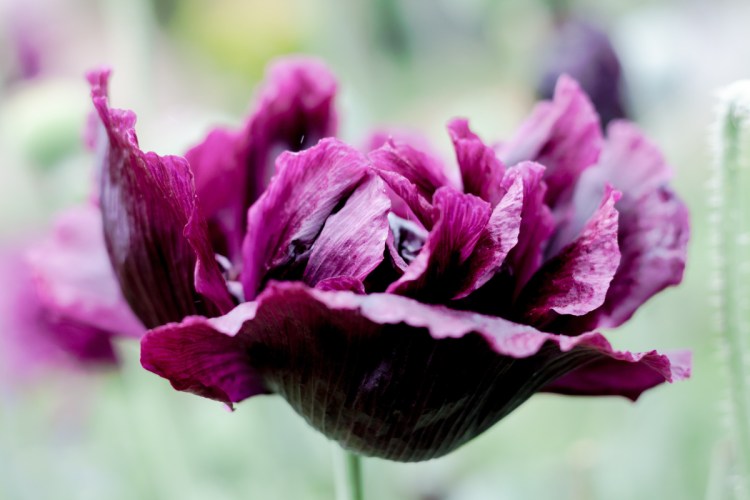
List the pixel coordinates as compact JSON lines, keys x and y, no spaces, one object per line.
{"x":347,"y":475}
{"x":733,"y":252}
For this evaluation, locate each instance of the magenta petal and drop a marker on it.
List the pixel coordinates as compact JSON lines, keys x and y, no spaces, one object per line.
{"x":293,"y":111}
{"x":498,"y":237}
{"x":439,"y":271}
{"x":156,"y":237}
{"x":341,"y":283}
{"x":481,"y":170}
{"x":537,"y":223}
{"x":73,"y":275}
{"x":564,"y":135}
{"x":381,"y":374}
{"x":576,"y":281}
{"x":423,"y":170}
{"x":413,"y":205}
{"x":218,"y":170}
{"x":352,"y":242}
{"x":201,"y":356}
{"x":283,"y":224}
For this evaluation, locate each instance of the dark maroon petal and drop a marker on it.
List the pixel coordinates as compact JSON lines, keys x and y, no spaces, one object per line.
{"x":293,"y":111}
{"x":481,"y":170}
{"x":623,"y":373}
{"x":564,"y":135}
{"x":576,"y":281}
{"x":537,"y":224}
{"x":439,"y":271}
{"x":155,"y":235}
{"x":352,"y":242}
{"x":285,"y":222}
{"x":381,"y":374}
{"x":73,"y":277}
{"x":423,"y":170}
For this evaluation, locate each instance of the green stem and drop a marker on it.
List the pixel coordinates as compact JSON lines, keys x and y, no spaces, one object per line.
{"x":347,"y":468}
{"x":734,"y":249}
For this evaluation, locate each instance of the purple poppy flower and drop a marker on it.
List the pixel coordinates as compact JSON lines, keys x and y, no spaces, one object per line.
{"x":399,"y":308}
{"x":583,"y":51}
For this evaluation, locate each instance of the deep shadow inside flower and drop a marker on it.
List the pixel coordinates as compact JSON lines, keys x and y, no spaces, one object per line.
{"x":408,"y":237}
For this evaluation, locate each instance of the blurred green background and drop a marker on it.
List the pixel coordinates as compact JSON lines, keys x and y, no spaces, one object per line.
{"x":185,"y":66}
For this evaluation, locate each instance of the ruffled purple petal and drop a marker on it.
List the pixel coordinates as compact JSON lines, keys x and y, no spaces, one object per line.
{"x":341,"y":283}
{"x":73,"y":275}
{"x":424,"y":170}
{"x":352,"y":242}
{"x":385,"y":375}
{"x":653,"y":241}
{"x":631,"y":162}
{"x":576,"y":281}
{"x":155,"y":235}
{"x":654,"y":226}
{"x":537,"y":224}
{"x":293,"y":111}
{"x":406,"y":201}
{"x":564,"y":135}
{"x":196,"y":360}
{"x":219,"y":167}
{"x":482,"y":171}
{"x":439,"y":271}
{"x":285,"y":222}
{"x":623,"y":373}
{"x":498,"y":237}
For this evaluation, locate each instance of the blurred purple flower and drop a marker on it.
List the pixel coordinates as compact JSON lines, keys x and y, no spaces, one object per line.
{"x":584,"y":52}
{"x":28,"y":39}
{"x":64,"y":305}
{"x":402,"y":307}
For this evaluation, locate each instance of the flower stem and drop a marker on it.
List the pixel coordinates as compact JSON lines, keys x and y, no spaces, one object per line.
{"x":347,"y":474}
{"x":733,"y":179}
